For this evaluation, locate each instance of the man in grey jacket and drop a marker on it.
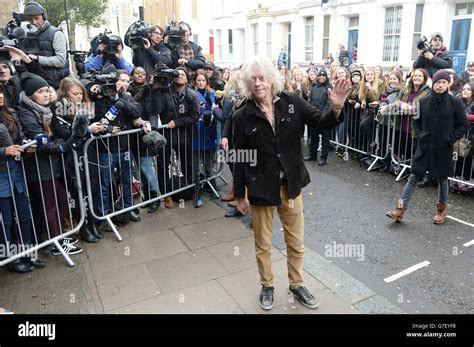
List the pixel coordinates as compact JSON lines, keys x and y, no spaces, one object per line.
{"x":52,"y":55}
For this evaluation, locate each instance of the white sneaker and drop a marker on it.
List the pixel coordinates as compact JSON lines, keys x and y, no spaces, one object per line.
{"x":68,"y":248}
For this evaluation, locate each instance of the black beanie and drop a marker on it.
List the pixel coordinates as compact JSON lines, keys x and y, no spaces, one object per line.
{"x":31,"y":83}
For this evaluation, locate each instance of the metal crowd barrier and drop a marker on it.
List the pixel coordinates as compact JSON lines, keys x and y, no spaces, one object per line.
{"x":32,"y":213}
{"x":390,"y":138}
{"x":180,"y":166}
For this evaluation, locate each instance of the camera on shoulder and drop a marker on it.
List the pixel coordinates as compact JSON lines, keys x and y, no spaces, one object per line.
{"x":423,"y":44}
{"x":104,"y":79}
{"x":136,"y":33}
{"x":163,"y":76}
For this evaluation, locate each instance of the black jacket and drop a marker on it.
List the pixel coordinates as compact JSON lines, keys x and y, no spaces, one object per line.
{"x":442,"y":122}
{"x":442,"y":61}
{"x":275,"y":152}
{"x":168,"y":106}
{"x":147,"y":58}
{"x":319,"y":95}
{"x":124,"y":120}
{"x":196,"y":63}
{"x":46,"y":154}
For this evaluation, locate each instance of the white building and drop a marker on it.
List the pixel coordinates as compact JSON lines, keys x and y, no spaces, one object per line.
{"x":385,"y":31}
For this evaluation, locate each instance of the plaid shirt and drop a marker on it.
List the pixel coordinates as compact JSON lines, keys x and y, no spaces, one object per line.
{"x":186,"y":52}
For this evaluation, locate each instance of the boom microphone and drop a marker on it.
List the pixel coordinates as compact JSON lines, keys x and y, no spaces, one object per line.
{"x":80,"y":124}
{"x":154,"y":140}
{"x":5,"y":138}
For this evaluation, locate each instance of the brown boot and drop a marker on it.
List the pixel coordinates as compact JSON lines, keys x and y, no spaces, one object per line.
{"x":397,"y":214}
{"x":169,"y":202}
{"x":440,"y":216}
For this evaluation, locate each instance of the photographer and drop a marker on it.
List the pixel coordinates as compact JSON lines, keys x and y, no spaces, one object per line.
{"x":110,"y":50}
{"x":188,"y":54}
{"x":52,"y":44}
{"x":433,"y":56}
{"x":119,"y":112}
{"x":12,"y":83}
{"x":178,"y":107}
{"x":154,"y":50}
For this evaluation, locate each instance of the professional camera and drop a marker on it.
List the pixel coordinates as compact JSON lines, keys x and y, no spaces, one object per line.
{"x":174,"y":34}
{"x":106,"y":81}
{"x":163,"y":76}
{"x":423,"y":44}
{"x":136,"y":33}
{"x":80,"y":61}
{"x":22,"y":38}
{"x":111,"y":42}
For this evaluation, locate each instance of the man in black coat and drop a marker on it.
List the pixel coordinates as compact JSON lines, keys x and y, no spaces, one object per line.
{"x":441,"y":122}
{"x":268,"y":127}
{"x":437,"y":57}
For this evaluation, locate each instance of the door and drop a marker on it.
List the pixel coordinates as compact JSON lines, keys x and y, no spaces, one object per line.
{"x":351,"y":42}
{"x":459,"y":44}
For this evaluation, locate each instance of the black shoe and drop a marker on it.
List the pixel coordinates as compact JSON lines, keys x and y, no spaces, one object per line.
{"x":154,"y":206}
{"x":19,"y":267}
{"x":36,"y":263}
{"x":233,"y":213}
{"x":94,"y":230}
{"x":86,"y":234}
{"x":266,"y":298}
{"x":105,"y":226}
{"x":302,"y":294}
{"x":322,"y":162}
{"x":134,"y":217}
{"x":310,"y":158}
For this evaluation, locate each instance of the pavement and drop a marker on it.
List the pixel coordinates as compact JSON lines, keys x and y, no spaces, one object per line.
{"x":181,"y":260}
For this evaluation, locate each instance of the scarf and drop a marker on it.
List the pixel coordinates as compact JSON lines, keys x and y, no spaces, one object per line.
{"x":43,"y":113}
{"x":438,"y":102}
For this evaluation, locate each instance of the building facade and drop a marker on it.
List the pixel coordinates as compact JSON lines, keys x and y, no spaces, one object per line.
{"x":384,"y":31}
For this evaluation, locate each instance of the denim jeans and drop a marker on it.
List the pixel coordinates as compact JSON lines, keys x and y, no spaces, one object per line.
{"x":148,"y":174}
{"x":341,"y":133}
{"x":411,"y":186}
{"x":24,"y":219}
{"x":108,"y":162}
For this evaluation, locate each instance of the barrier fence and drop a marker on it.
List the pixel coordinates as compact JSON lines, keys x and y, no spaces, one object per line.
{"x":387,"y":140}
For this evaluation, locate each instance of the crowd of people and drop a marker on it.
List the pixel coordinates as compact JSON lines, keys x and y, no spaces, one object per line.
{"x":204,"y":108}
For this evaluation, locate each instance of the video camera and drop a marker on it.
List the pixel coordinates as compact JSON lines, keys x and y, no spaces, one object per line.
{"x":17,"y":36}
{"x":423,"y":44}
{"x":105,"y":81}
{"x":163,"y":76}
{"x":136,"y":33}
{"x":111,"y":42}
{"x":80,"y":61}
{"x":174,"y":35}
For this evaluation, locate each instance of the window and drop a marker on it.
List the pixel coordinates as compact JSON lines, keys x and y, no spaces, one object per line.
{"x":354,"y":22}
{"x":417,"y":30}
{"x":464,"y":9}
{"x":269,"y":40}
{"x":219,"y":44}
{"x":326,"y":36}
{"x":255,"y":38}
{"x":231,"y":45}
{"x":308,"y":38}
{"x":194,"y":9}
{"x":393,"y":23}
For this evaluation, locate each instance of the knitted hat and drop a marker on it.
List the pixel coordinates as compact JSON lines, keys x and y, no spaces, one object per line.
{"x":441,"y":75}
{"x":356,"y":73}
{"x":437,"y":34}
{"x":323,"y":72}
{"x":31,"y":83}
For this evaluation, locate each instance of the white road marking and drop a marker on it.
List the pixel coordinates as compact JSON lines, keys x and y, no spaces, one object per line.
{"x":407,"y":271}
{"x":467,"y":244}
{"x":460,"y":221}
